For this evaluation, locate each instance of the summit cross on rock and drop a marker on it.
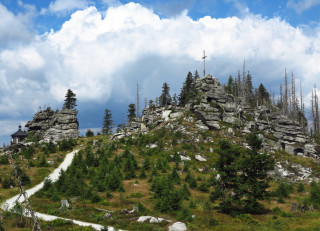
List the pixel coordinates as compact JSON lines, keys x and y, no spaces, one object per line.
{"x":204,"y":63}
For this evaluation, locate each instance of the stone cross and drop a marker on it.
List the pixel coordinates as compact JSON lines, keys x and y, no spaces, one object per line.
{"x":204,"y":63}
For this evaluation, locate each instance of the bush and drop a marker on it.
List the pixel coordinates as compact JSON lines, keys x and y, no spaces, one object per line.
{"x":300,"y":188}
{"x":89,"y":133}
{"x":67,"y":144}
{"x":315,"y":194}
{"x":184,"y":214}
{"x":284,"y":189}
{"x":4,"y":159}
{"x":7,"y":182}
{"x":95,"y":198}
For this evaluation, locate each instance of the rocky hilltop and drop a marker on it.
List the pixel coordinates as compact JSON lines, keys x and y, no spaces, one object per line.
{"x":54,"y":125}
{"x":214,"y":109}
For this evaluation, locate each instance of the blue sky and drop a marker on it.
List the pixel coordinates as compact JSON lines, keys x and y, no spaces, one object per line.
{"x":100,"y":49}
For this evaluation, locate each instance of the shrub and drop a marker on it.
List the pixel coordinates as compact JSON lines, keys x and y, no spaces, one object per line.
{"x":184,"y":214}
{"x":7,"y":182}
{"x":89,"y":133}
{"x":4,"y":159}
{"x":284,"y":189}
{"x":300,"y":188}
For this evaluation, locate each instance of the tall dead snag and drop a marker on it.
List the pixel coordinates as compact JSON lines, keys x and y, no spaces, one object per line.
{"x":244,"y":89}
{"x":24,"y":194}
{"x":137,"y":114}
{"x":316,"y":105}
{"x":286,"y":93}
{"x":239,"y":83}
{"x":281,"y":99}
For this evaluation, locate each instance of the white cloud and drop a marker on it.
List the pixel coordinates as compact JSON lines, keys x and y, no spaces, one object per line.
{"x":102,"y":56}
{"x":65,"y":6}
{"x":14,"y":28}
{"x":302,"y":5}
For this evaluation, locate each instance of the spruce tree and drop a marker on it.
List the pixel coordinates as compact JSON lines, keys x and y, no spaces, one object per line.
{"x":165,"y":98}
{"x":188,"y":90}
{"x":243,"y":176}
{"x":230,"y":88}
{"x":131,"y":112}
{"x":70,"y":100}
{"x":107,"y":122}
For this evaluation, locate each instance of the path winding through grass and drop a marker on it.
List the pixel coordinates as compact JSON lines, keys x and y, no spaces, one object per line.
{"x":8,"y":204}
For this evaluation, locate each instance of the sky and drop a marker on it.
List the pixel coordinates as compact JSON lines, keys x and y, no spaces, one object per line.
{"x":101,"y":49}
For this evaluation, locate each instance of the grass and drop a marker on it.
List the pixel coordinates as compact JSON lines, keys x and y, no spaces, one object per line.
{"x":207,"y":215}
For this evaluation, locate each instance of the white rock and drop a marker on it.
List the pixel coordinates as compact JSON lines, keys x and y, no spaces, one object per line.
{"x":200,"y":158}
{"x":144,"y":218}
{"x":178,"y":226}
{"x":176,"y":114}
{"x":185,"y":158}
{"x":154,"y":220}
{"x":165,"y":115}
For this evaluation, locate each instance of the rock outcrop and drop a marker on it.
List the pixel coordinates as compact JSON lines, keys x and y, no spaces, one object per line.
{"x":217,"y":110}
{"x":55,"y":126}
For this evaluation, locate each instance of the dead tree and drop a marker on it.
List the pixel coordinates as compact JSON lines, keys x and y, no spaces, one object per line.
{"x":137,"y":114}
{"x":244,"y":89}
{"x":24,"y":194}
{"x":286,"y":92}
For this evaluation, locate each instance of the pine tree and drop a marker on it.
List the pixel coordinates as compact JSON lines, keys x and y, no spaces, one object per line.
{"x":131,"y":112}
{"x":188,"y":90}
{"x":70,"y":100}
{"x":165,"y":98}
{"x":263,"y":95}
{"x":196,"y":76}
{"x":230,"y":88}
{"x":107,"y":122}
{"x":243,"y":176}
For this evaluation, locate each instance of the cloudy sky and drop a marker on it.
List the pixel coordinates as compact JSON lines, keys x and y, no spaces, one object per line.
{"x":100,"y":49}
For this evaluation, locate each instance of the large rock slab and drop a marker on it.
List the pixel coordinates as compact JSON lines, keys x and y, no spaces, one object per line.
{"x":54,"y":125}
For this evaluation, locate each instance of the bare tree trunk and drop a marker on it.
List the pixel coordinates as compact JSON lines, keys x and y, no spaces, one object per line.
{"x":286,"y":92}
{"x":24,"y":194}
{"x":244,"y":89}
{"x":239,"y":83}
{"x":137,"y":114}
{"x":316,"y":103}
{"x":281,"y":99}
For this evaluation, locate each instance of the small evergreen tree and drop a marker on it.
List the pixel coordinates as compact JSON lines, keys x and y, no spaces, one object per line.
{"x":230,"y":86}
{"x":243,"y":176}
{"x":165,"y":98}
{"x":188,"y":90}
{"x":70,"y":100}
{"x":131,"y":112}
{"x":107,"y":122}
{"x":196,"y":76}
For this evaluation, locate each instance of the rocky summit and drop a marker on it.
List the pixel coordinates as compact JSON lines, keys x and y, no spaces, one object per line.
{"x":217,"y":110}
{"x":49,"y":125}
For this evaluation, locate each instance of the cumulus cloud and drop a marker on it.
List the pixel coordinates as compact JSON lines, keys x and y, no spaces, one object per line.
{"x":302,"y":5}
{"x":14,"y":28}
{"x":101,"y":56}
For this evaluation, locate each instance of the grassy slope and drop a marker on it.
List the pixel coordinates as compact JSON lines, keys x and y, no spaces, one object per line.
{"x":138,"y":190}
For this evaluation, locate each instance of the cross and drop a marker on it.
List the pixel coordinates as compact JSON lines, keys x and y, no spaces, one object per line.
{"x":204,"y":63}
